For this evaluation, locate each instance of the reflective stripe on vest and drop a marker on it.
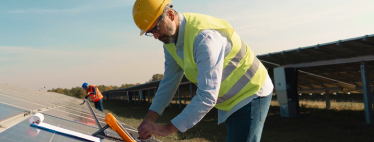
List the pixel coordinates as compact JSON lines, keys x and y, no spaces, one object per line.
{"x":243,"y":74}
{"x":98,"y":95}
{"x":241,"y":83}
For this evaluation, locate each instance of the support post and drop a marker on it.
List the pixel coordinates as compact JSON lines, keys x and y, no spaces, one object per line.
{"x":327,"y":98}
{"x":149,"y":96}
{"x":179,"y":97}
{"x":366,"y":89}
{"x":191,"y":92}
{"x":184,"y":97}
{"x":285,"y":81}
{"x":140,"y":96}
{"x":127,"y":96}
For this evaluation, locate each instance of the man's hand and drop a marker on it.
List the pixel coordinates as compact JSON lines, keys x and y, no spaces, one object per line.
{"x":142,"y":126}
{"x":147,"y":128}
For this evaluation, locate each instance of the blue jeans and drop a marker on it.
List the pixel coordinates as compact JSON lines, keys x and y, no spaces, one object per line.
{"x":99,"y":105}
{"x":246,"y":124}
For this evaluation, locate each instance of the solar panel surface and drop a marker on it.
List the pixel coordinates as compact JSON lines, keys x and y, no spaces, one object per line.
{"x":58,"y":109}
{"x":9,"y":111}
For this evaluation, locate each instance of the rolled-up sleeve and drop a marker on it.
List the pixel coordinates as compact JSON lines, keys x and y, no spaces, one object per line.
{"x":209,"y":52}
{"x":169,"y":84}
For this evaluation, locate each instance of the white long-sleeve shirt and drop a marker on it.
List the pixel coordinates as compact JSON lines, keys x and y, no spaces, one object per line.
{"x":210,"y":48}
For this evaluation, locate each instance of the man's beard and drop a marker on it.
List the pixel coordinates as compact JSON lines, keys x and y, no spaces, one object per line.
{"x":166,"y":39}
{"x":169,"y":37}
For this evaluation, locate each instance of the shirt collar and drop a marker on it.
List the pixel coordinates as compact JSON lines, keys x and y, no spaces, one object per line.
{"x":182,"y":24}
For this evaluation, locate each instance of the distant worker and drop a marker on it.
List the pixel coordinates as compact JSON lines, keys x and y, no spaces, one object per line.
{"x":95,"y":94}
{"x":212,"y":55}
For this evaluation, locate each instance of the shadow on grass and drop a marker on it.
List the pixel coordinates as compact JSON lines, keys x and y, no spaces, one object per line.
{"x":311,"y":125}
{"x":321,"y":125}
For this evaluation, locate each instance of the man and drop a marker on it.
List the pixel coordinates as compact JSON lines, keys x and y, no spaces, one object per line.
{"x":210,"y":54}
{"x":95,"y":94}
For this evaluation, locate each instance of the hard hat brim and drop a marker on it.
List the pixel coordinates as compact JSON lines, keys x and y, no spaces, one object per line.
{"x":142,"y":32}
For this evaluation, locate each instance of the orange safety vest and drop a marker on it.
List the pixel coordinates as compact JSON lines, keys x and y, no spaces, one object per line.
{"x":94,"y":97}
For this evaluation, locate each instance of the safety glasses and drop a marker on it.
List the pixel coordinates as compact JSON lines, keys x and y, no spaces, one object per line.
{"x":154,"y":29}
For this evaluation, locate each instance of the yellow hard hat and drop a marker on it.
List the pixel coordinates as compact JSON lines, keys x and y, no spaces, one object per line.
{"x":145,"y":12}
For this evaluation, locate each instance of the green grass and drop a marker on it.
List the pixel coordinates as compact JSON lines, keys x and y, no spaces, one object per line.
{"x":344,"y":122}
{"x":132,"y":115}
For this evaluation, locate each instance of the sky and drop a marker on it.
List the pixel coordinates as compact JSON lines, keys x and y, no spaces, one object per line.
{"x":64,"y":43}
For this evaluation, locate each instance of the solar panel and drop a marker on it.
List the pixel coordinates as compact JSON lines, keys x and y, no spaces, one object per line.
{"x":19,"y":102}
{"x":9,"y":111}
{"x":58,"y":110}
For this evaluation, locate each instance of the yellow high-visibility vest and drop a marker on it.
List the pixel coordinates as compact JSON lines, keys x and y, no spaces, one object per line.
{"x":243,"y":74}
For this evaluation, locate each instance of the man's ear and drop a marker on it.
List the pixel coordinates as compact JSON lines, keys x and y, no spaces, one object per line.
{"x":171,"y":15}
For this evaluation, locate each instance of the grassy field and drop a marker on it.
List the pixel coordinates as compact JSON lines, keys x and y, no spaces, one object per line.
{"x":345,"y":122}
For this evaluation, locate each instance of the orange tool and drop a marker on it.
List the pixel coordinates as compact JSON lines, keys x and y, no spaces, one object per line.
{"x":113,"y":123}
